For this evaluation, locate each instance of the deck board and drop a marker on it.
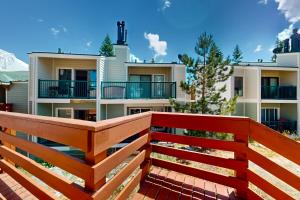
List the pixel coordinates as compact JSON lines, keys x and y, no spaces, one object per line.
{"x":162,"y":184}
{"x":11,"y":189}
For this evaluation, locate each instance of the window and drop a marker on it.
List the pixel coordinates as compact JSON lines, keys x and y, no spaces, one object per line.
{"x":64,"y":112}
{"x":269,"y":114}
{"x":238,"y":86}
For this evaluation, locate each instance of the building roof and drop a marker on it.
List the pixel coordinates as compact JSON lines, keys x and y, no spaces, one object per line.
{"x":74,"y":54}
{"x":6,"y":78}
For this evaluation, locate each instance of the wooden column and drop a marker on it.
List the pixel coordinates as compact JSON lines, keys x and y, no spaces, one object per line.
{"x":242,"y":137}
{"x":93,"y":159}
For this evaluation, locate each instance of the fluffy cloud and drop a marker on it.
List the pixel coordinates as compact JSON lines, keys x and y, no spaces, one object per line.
{"x":159,"y":47}
{"x":290,"y":9}
{"x":134,"y":58}
{"x":166,"y":4}
{"x":265,"y":2}
{"x":258,"y":48}
{"x":286,"y":33}
{"x":88,"y":44}
{"x":54,"y":31}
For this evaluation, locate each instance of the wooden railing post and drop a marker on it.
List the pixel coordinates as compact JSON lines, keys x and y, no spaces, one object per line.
{"x":145,"y":166}
{"x":93,"y":159}
{"x":243,"y":137}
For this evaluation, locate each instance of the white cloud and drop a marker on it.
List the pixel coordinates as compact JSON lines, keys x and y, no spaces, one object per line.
{"x":134,"y":58}
{"x":88,"y":44}
{"x":290,"y":9}
{"x":159,"y":47}
{"x":64,"y":29}
{"x":265,"y":2}
{"x":258,"y":48}
{"x":166,"y":4}
{"x":286,"y":33}
{"x":54,"y":31}
{"x":40,"y":20}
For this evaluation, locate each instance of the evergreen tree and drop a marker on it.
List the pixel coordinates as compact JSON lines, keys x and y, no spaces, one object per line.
{"x":206,"y":76}
{"x":237,"y":55}
{"x":278,"y":49}
{"x":106,"y":48}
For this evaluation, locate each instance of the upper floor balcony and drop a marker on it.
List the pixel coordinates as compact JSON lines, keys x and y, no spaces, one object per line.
{"x":67,"y":89}
{"x":138,"y":90}
{"x":146,"y":168}
{"x":73,"y":89}
{"x":279,"y":92}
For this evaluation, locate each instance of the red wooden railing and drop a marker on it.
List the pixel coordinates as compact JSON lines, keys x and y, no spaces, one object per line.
{"x":96,"y":138}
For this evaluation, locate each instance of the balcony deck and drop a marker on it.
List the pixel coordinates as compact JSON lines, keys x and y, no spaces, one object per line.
{"x":137,"y":164}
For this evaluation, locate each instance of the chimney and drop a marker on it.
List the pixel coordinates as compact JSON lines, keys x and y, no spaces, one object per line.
{"x":122,"y":33}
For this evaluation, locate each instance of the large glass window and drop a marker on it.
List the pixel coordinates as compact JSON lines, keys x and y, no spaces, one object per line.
{"x":65,"y":112}
{"x":269,"y":114}
{"x":238,"y":86}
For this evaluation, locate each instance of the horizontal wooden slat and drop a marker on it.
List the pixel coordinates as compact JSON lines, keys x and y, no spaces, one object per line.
{"x":68,"y":188}
{"x":47,"y":128}
{"x":109,"y":163}
{"x":275,"y":141}
{"x":133,"y":183}
{"x":214,"y":123}
{"x":106,"y":191}
{"x":266,"y":186}
{"x":201,"y":142}
{"x":25,"y":181}
{"x":252,"y":195}
{"x":223,"y":180}
{"x":106,"y":138}
{"x":275,"y":169}
{"x":59,"y":159}
{"x":198,"y":157}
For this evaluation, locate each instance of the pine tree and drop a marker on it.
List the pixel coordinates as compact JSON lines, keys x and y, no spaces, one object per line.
{"x":237,"y":55}
{"x":206,"y":78}
{"x":278,"y":49}
{"x":106,"y":48}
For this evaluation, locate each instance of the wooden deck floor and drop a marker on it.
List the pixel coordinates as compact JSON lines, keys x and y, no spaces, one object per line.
{"x":12,"y":190}
{"x":165,"y":184}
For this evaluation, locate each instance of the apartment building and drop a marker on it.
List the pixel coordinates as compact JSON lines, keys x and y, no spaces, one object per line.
{"x":93,"y":87}
{"x":268,"y":92}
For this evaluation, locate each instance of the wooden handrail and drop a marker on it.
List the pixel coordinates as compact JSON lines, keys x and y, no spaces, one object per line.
{"x":95,"y":138}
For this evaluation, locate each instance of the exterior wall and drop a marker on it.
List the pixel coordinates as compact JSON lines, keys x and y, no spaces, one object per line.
{"x":115,"y":66}
{"x":288,"y":59}
{"x":72,"y":63}
{"x":116,"y":110}
{"x":44,"y":109}
{"x":247,"y":110}
{"x":45,"y":68}
{"x":179,"y":75}
{"x":150,"y":71}
{"x":76,"y":106}
{"x":251,"y":110}
{"x":17,"y":94}
{"x":286,"y":78}
{"x":251,"y":84}
{"x":288,"y":111}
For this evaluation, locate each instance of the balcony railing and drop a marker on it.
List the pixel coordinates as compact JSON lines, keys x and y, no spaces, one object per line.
{"x":279,"y":92}
{"x":70,"y":89}
{"x":95,"y":138}
{"x":138,"y":90}
{"x":281,"y":125}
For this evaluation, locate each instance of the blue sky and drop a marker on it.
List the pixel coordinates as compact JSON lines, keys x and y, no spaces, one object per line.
{"x":156,"y":28}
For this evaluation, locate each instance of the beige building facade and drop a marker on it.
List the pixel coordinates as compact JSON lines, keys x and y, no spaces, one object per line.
{"x":268,"y":92}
